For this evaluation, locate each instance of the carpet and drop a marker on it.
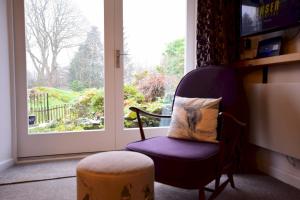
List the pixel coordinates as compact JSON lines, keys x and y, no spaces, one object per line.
{"x":249,"y":187}
{"x":23,"y":173}
{"x":55,"y":180}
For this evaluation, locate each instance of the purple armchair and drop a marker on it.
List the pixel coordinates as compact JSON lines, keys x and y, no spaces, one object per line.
{"x":194,"y":164}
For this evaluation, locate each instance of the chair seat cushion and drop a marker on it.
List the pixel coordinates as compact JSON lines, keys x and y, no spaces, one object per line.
{"x":180,"y":162}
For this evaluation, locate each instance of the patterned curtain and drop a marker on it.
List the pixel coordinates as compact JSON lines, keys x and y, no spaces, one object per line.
{"x":217,"y":32}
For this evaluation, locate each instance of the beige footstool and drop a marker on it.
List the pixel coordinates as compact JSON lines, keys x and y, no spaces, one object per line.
{"x":115,"y":175}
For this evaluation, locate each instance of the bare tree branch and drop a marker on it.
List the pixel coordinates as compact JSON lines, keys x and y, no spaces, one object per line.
{"x":51,"y":26}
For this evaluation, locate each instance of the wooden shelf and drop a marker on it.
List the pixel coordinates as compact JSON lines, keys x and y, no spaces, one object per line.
{"x":286,"y":58}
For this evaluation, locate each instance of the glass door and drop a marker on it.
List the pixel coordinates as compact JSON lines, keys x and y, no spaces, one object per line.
{"x":80,"y":65}
{"x":153,"y":43}
{"x":64,"y":76}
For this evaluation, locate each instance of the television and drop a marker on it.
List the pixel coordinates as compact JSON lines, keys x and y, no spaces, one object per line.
{"x":263,"y":16}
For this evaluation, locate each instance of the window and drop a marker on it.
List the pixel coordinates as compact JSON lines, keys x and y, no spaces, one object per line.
{"x":71,"y":89}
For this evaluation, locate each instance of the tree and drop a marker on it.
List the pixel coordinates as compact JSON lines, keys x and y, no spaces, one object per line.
{"x":129,"y":68}
{"x":173,"y":59}
{"x":51,"y":26}
{"x":87,"y":66}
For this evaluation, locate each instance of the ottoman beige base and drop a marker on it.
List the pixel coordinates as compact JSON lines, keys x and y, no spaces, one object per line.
{"x":115,"y":175}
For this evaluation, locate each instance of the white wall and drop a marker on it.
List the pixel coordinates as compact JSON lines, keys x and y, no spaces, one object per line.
{"x":274,"y":122}
{"x":275,"y":110}
{"x":5,"y":111}
{"x":275,"y":113}
{"x":277,"y":165}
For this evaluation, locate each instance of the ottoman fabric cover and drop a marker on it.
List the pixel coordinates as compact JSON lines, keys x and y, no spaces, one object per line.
{"x":115,"y":175}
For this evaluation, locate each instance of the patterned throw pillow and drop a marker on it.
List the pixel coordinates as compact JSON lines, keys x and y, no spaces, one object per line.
{"x":195,"y":119}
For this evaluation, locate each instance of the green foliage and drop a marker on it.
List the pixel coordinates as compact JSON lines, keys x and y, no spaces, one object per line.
{"x":90,"y":103}
{"x":87,"y":65}
{"x":62,"y":126}
{"x":155,"y":107}
{"x":140,"y":76}
{"x":88,"y":110}
{"x":131,"y":96}
{"x":130,"y":123}
{"x":56,"y":96}
{"x":131,"y":115}
{"x":151,"y":91}
{"x":173,"y":59}
{"x":76,"y":85}
{"x":131,"y":92}
{"x":148,"y":121}
{"x":97,"y":103}
{"x":67,"y":127}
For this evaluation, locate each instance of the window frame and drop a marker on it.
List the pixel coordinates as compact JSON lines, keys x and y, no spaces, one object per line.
{"x":18,"y":74}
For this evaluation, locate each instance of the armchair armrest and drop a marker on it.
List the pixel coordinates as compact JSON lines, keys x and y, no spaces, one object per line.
{"x":140,"y":111}
{"x":234,"y":119}
{"x":228,"y":138}
{"x":225,"y":119}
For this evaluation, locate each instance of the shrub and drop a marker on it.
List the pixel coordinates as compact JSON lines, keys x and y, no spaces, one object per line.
{"x":97,"y":103}
{"x":152,"y":86}
{"x":155,"y":107}
{"x":90,"y":104}
{"x":77,"y":86}
{"x":131,"y":92}
{"x":140,"y":75}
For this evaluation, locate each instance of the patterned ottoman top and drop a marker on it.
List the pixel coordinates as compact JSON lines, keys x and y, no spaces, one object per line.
{"x":115,"y":162}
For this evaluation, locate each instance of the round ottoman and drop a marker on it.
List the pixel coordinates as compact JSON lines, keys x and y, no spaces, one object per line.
{"x":115,"y":175}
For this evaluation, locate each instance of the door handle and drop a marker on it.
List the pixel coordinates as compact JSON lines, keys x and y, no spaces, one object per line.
{"x":118,"y":58}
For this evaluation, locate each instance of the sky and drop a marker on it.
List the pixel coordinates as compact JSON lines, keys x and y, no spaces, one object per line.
{"x":148,"y":25}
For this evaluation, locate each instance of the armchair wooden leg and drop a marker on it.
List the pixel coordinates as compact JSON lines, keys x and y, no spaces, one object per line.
{"x":217,"y":182}
{"x":230,"y":177}
{"x":201,"y":194}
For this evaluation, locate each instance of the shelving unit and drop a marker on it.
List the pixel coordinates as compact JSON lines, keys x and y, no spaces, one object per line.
{"x":265,"y":63}
{"x":286,"y":58}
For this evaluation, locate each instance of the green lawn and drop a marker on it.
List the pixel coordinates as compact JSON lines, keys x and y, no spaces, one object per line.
{"x":57,"y":96}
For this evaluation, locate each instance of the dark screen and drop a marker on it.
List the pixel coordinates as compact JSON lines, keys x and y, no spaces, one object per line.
{"x":266,"y":15}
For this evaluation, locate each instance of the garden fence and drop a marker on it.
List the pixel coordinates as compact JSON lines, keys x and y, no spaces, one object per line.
{"x":43,"y":112}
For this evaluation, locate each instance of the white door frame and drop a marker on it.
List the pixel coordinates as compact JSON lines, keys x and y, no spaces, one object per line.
{"x":67,"y":142}
{"x":114,"y":136}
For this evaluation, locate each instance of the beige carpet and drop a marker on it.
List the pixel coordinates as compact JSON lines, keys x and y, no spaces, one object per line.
{"x":249,"y":186}
{"x":38,"y":171}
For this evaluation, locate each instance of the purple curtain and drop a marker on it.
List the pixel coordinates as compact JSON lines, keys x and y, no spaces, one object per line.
{"x":217,"y":32}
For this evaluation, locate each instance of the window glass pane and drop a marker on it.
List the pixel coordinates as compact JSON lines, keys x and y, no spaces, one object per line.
{"x":65,"y":65}
{"x":154,"y":39}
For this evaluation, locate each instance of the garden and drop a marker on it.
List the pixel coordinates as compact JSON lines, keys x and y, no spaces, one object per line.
{"x":59,"y":110}
{"x":65,"y":73}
